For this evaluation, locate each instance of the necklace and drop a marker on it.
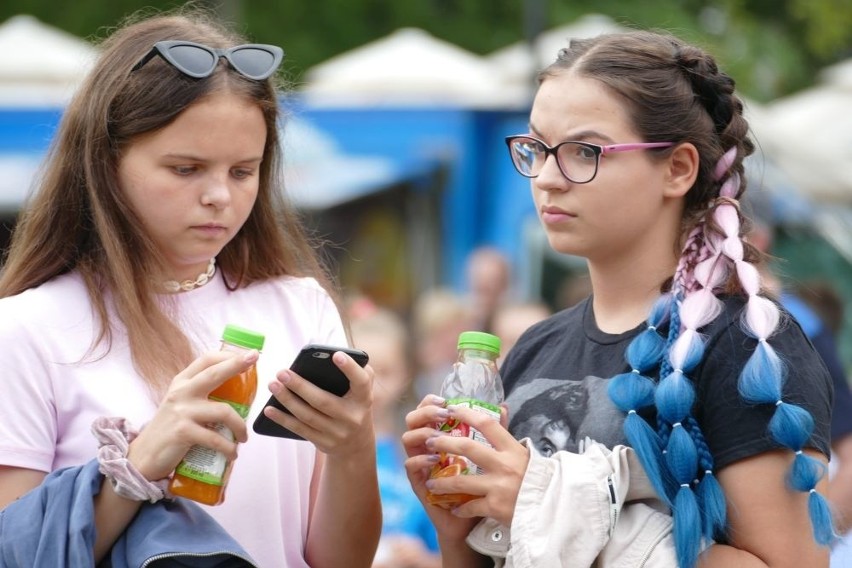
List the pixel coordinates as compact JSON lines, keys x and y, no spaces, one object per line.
{"x":174,"y":286}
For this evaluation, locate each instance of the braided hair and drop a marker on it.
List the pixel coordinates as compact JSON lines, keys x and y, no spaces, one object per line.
{"x":675,"y":92}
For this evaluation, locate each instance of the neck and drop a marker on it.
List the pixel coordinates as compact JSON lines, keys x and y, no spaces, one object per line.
{"x":625,"y":291}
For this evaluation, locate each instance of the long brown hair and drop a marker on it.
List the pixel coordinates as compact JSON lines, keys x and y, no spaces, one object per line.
{"x":79,"y":218}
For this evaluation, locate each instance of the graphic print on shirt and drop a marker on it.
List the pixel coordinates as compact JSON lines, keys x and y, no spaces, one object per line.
{"x":559,"y":414}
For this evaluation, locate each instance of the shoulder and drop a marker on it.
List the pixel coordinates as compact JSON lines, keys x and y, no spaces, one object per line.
{"x":62,"y":301}
{"x":555,"y":326}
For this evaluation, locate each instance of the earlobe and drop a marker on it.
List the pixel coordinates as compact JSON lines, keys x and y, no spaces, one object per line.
{"x":682,"y":170}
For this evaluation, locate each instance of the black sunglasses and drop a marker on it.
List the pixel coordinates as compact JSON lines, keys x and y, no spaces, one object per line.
{"x":253,"y":60}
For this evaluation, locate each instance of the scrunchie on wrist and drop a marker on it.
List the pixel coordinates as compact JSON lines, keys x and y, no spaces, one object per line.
{"x":114,"y":436}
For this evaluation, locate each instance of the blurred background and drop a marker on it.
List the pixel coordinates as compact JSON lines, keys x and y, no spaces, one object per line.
{"x":397,"y":113}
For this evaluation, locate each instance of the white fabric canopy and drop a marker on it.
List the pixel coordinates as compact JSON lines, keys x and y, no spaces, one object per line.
{"x":41,"y":65}
{"x":519,"y":64}
{"x":809,"y":135}
{"x":408,"y":66}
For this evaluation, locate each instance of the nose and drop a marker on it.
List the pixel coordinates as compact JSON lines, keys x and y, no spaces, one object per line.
{"x":216,"y":191}
{"x":550,"y":177}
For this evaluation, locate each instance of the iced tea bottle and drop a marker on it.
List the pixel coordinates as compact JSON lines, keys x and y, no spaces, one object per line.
{"x":203,"y":473}
{"x":474,"y":382}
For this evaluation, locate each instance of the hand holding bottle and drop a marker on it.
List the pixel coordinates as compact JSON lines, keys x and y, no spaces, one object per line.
{"x":184,"y":413}
{"x":502,"y":463}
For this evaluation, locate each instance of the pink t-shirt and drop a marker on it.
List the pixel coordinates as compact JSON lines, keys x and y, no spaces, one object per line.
{"x":53,"y":388}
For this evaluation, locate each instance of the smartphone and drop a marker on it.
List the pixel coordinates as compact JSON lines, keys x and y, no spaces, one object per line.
{"x":315,"y":365}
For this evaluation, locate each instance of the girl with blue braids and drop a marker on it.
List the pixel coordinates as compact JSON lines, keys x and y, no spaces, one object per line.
{"x":710,"y":446}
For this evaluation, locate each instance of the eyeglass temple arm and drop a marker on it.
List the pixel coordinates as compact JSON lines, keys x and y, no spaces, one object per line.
{"x":148,"y":56}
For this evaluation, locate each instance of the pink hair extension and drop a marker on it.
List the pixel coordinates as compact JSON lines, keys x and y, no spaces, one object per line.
{"x":724,"y":164}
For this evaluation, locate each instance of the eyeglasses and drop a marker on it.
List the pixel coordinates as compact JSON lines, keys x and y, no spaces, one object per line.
{"x":578,"y":161}
{"x":253,"y":60}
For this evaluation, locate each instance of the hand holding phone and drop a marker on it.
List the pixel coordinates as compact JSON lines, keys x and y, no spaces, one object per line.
{"x":314,"y":364}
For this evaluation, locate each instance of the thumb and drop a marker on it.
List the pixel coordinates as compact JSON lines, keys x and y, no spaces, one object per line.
{"x":504,"y":415}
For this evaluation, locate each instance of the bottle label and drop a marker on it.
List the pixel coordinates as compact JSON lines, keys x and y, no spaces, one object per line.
{"x":242,"y":409}
{"x":460,"y":429}
{"x":204,"y":464}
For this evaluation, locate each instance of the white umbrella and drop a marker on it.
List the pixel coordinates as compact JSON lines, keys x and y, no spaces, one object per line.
{"x":42,"y":65}
{"x":809,"y":135}
{"x":519,"y":64}
{"x":408,"y":66}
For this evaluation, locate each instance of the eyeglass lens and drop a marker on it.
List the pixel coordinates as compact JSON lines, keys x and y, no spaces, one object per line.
{"x":252,"y":62}
{"x":577,"y":162}
{"x":195,"y":60}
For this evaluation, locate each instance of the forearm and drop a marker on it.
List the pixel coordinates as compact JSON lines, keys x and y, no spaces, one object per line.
{"x":460,"y":555}
{"x":347,"y":519}
{"x":112,"y":515}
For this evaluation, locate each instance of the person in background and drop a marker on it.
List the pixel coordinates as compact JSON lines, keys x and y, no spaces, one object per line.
{"x":489,"y":279}
{"x":408,"y":537}
{"x":157,"y":221}
{"x":438,"y":316}
{"x":717,"y":444}
{"x":512,"y":319}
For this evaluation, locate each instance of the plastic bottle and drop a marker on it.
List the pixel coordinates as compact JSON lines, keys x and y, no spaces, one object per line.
{"x":203,"y":473}
{"x":474,"y":382}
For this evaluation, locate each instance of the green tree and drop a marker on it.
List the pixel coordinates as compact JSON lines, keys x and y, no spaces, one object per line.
{"x":771,"y":47}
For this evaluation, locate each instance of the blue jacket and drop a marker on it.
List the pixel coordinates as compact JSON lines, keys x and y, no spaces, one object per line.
{"x":53,"y":525}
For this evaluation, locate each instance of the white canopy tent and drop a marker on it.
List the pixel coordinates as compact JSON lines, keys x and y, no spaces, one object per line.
{"x":519,"y":62}
{"x":407,"y":67}
{"x":43,"y":64}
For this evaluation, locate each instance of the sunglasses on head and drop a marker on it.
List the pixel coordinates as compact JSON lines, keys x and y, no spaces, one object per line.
{"x":253,"y":60}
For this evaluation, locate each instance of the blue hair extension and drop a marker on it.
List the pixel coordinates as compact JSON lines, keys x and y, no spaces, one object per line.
{"x":687,"y":527}
{"x":675,"y":396}
{"x":761,"y":378}
{"x":633,"y":391}
{"x":682,"y":456}
{"x":791,"y":425}
{"x":711,"y":498}
{"x":820,"y":514}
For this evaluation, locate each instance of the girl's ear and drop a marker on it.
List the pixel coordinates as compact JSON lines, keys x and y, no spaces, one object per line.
{"x":682,"y":170}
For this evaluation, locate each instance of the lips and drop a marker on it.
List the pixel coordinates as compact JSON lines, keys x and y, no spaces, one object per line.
{"x":552,"y":215}
{"x":211,"y":228}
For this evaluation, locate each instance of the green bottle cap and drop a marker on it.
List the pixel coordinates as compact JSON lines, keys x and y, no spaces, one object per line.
{"x":242,"y":337}
{"x":479,"y":340}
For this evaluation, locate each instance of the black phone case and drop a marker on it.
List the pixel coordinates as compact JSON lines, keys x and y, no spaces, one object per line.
{"x":314,"y":364}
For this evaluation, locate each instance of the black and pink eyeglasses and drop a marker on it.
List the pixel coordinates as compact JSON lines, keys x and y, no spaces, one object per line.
{"x":578,"y":161}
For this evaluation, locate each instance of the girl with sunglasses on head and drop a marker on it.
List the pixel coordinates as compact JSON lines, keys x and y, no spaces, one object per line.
{"x":158,"y":220}
{"x":703,"y":437}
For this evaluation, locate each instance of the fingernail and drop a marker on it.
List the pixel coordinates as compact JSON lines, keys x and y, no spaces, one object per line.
{"x":285,"y":376}
{"x":251,"y":356}
{"x":274,"y":387}
{"x":339,"y":358}
{"x":437,"y":400}
{"x":433,"y":458}
{"x":443,"y":413}
{"x":430,"y":484}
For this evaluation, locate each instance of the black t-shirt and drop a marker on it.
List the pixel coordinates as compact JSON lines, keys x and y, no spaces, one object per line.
{"x":556,"y":380}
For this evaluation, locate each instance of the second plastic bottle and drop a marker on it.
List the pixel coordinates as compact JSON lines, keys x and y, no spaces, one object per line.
{"x":203,"y":474}
{"x":474,"y":382}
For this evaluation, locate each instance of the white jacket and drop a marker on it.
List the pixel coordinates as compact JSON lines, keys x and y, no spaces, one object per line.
{"x":582,"y":510}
